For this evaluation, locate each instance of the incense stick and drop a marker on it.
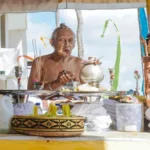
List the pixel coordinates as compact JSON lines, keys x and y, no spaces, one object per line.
{"x":33,"y":48}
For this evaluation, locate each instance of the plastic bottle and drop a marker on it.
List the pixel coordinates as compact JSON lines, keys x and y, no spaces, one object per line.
{"x":59,"y":110}
{"x":6,"y":114}
{"x":38,"y":105}
{"x":39,"y":109}
{"x":2,"y":80}
{"x":35,"y":110}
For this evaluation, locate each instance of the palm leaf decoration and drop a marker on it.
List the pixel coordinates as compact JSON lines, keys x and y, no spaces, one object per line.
{"x":118,"y":56}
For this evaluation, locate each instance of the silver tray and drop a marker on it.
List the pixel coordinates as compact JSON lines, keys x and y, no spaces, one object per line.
{"x":49,"y":94}
{"x":27,"y":92}
{"x":100,"y":93}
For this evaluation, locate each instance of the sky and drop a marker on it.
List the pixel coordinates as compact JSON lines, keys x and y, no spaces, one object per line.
{"x":43,"y":24}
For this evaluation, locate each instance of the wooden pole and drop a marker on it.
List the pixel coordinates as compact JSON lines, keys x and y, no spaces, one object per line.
{"x":148,"y":12}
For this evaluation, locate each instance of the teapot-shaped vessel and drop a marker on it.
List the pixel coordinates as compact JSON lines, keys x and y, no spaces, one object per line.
{"x":91,"y":71}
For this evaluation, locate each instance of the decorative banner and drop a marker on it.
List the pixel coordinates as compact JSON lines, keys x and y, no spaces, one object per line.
{"x":143,"y":27}
{"x":118,"y":56}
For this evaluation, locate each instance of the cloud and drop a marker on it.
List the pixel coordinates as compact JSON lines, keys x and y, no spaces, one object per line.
{"x":94,"y":45}
{"x":35,"y":31}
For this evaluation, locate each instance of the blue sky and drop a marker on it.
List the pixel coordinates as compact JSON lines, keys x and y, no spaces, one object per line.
{"x":42,"y":24}
{"x":46,"y":17}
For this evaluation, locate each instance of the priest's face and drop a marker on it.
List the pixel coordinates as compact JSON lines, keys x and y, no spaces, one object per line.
{"x":63,"y":41}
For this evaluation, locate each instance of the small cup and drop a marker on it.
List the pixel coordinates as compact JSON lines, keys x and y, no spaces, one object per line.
{"x":38,"y":85}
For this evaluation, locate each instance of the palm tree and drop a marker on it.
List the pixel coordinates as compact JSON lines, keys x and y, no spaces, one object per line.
{"x":79,"y":34}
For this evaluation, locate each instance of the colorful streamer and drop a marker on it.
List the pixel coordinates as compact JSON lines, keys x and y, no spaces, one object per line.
{"x":42,"y":39}
{"x":25,"y":56}
{"x":118,"y":56}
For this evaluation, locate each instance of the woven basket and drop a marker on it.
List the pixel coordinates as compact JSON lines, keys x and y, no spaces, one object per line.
{"x":48,"y":126}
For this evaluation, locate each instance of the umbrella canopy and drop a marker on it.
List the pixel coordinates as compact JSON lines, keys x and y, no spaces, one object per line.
{"x":52,"y":5}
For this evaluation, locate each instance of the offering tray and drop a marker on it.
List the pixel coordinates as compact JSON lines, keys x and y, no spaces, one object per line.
{"x":48,"y":126}
{"x":50,"y":94}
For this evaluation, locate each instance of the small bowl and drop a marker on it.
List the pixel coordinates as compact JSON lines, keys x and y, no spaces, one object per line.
{"x":38,"y":85}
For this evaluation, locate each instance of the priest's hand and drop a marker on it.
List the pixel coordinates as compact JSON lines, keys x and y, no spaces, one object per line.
{"x":65,"y":77}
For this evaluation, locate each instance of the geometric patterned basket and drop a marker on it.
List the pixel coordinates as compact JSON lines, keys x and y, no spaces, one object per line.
{"x":48,"y":126}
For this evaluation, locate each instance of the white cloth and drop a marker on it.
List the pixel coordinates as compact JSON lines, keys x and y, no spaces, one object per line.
{"x":35,"y":100}
{"x":8,"y":60}
{"x":99,"y":123}
{"x":96,"y":115}
{"x":110,"y":106}
{"x":25,"y":109}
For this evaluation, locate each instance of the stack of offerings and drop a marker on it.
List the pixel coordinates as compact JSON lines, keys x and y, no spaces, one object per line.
{"x":97,"y":118}
{"x":109,"y":105}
